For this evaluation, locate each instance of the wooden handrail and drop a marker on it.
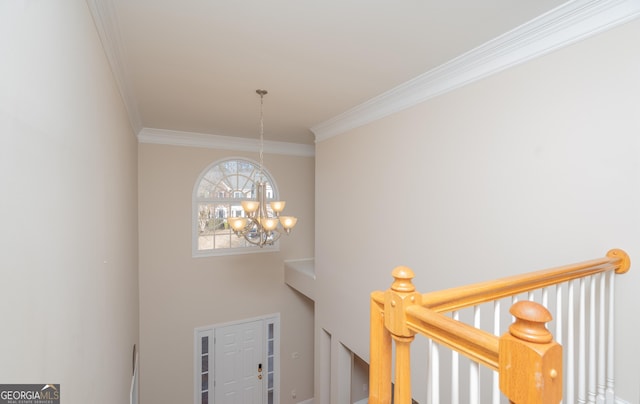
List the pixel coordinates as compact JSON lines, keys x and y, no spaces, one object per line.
{"x":447,"y":300}
{"x":476,"y":344}
{"x":470,"y":295}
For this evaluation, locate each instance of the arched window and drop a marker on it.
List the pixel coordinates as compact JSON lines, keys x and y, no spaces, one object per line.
{"x":217,"y":195}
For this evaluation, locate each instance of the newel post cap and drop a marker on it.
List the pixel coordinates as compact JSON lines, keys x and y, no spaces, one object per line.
{"x":402,"y":279}
{"x":398,"y":297}
{"x":531,"y":318}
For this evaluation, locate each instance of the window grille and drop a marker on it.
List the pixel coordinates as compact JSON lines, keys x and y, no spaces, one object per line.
{"x":217,"y":195}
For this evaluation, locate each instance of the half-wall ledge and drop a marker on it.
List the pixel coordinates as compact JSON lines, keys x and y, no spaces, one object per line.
{"x":301,"y":275}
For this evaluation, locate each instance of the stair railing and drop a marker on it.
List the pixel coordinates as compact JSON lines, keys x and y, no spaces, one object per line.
{"x":527,"y":358}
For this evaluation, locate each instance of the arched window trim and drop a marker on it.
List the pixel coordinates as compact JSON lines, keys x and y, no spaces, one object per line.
{"x":196,"y":201}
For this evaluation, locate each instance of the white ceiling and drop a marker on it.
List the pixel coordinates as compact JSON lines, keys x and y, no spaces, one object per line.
{"x":194,"y":65}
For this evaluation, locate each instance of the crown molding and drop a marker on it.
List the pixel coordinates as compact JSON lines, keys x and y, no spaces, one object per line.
{"x":191,"y":139}
{"x":562,"y":26}
{"x":104,"y":18}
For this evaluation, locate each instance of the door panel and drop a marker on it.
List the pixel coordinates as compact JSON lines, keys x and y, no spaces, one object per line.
{"x":238,"y":357}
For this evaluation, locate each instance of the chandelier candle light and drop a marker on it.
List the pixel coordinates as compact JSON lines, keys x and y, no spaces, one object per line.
{"x":259,"y":226}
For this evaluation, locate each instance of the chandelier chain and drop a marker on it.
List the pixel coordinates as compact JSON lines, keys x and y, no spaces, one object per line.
{"x":262,"y":94}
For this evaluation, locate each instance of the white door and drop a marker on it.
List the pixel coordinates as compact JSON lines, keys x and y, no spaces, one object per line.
{"x":239,"y":364}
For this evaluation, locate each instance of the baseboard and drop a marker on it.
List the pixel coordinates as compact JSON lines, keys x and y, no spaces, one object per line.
{"x":309,"y":401}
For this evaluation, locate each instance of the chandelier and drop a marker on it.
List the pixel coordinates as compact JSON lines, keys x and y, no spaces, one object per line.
{"x":262,"y":224}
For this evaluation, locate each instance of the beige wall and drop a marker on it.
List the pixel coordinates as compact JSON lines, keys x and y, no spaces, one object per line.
{"x":68,"y":260}
{"x":534,"y":167}
{"x":179,"y":293}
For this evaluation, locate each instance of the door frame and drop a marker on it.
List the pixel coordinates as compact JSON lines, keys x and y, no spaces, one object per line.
{"x":209,"y":330}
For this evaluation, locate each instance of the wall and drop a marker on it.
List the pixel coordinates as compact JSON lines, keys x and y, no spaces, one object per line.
{"x":68,"y":266}
{"x":531,"y":168}
{"x":179,"y":292}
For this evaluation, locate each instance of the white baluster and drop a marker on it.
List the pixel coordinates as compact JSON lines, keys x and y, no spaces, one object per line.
{"x":582,"y":350}
{"x":591,"y":391}
{"x":571,"y":342}
{"x":430,"y":372}
{"x":558,"y":317}
{"x":435,"y":374}
{"x":496,"y":331}
{"x":474,"y":367}
{"x":610,"y":386}
{"x":455,"y":374}
{"x":474,"y":384}
{"x":602,"y":317}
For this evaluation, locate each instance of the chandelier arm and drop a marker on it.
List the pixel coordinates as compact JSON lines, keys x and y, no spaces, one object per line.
{"x":263,"y":237}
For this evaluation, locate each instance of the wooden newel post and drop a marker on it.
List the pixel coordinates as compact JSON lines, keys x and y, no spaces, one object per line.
{"x":379,"y":355}
{"x":530,"y":361}
{"x":401,"y":295}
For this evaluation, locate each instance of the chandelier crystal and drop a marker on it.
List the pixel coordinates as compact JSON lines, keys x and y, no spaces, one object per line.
{"x":261,"y":223}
